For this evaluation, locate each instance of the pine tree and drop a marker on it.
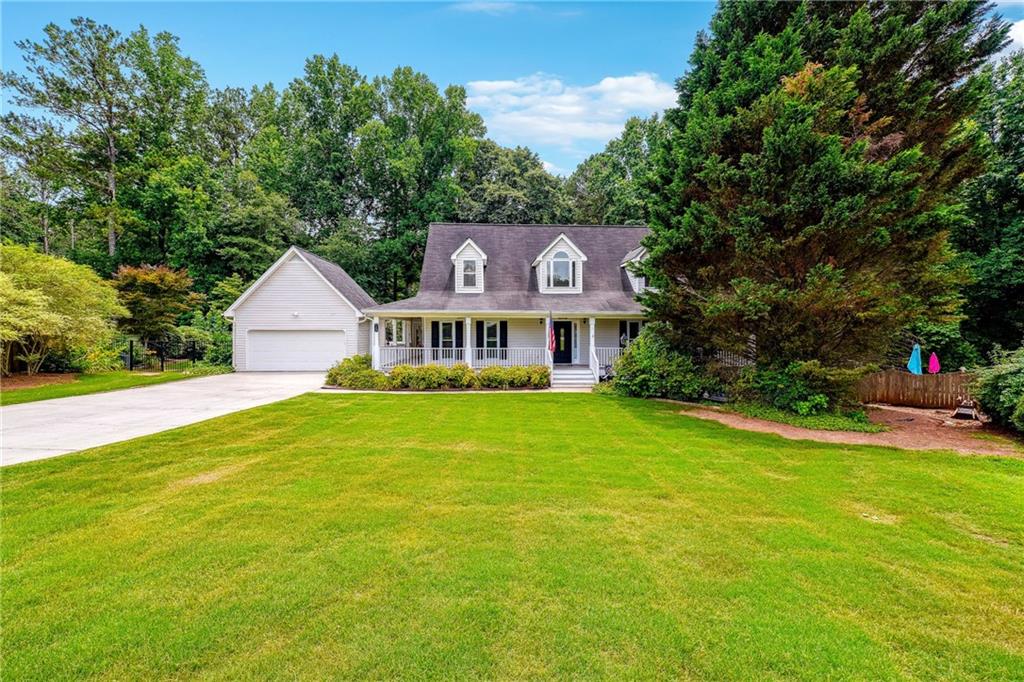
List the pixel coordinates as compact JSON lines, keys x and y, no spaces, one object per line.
{"x":805,"y":191}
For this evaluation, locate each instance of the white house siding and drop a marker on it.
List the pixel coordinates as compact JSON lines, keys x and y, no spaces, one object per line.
{"x":469,"y":253}
{"x":295,"y":288}
{"x":363,"y":340}
{"x":607,"y":334}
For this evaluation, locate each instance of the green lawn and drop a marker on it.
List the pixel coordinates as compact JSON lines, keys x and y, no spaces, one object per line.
{"x":98,"y":383}
{"x":505,"y":536}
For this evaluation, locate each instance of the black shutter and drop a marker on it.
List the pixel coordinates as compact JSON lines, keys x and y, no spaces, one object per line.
{"x":458,"y":333}
{"x":503,"y":334}
{"x":573,"y":281}
{"x":435,"y":334}
{"x":480,"y":334}
{"x":622,"y":333}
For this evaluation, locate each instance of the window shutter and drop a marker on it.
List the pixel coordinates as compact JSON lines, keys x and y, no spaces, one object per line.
{"x":458,"y":333}
{"x":480,"y":341}
{"x":435,"y":334}
{"x":503,"y":334}
{"x":572,"y":282}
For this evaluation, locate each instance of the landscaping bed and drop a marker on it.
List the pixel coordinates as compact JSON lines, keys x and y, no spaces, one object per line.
{"x":356,"y":373}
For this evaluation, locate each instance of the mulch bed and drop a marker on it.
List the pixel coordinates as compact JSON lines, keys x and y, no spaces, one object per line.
{"x":909,"y":427}
{"x":18,"y":381}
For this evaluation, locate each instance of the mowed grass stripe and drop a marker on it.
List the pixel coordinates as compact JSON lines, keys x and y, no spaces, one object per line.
{"x":508,"y":536}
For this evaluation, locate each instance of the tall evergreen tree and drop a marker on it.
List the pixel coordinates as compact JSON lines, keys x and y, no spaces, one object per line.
{"x":805,"y":191}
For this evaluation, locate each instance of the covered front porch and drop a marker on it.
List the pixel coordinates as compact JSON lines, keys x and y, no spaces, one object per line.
{"x":480,"y":341}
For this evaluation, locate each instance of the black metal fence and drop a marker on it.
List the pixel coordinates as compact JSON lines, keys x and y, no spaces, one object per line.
{"x":160,"y":355}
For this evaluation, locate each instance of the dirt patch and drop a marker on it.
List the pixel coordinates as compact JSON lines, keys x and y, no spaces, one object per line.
{"x":18,"y":381}
{"x":209,"y":476}
{"x":909,"y":428}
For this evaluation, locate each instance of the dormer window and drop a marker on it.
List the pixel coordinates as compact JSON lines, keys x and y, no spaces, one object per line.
{"x":562,"y":271}
{"x":469,"y":261}
{"x":559,"y":267}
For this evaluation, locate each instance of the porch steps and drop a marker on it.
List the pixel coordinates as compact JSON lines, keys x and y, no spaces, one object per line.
{"x":572,"y":377}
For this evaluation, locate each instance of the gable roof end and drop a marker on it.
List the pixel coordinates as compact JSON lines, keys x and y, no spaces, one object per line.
{"x":633,"y":255}
{"x":335,"y":277}
{"x":469,"y":242}
{"x":579,"y":252}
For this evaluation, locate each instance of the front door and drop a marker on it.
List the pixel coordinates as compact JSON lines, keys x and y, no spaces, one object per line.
{"x":563,"y":342}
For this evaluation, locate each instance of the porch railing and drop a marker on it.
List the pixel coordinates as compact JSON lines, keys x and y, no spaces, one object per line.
{"x":606,"y":357}
{"x":508,"y":357}
{"x":392,"y":356}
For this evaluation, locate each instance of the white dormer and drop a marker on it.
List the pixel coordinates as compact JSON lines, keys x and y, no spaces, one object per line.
{"x":560,"y":267}
{"x":469,"y":261}
{"x":631,"y":262}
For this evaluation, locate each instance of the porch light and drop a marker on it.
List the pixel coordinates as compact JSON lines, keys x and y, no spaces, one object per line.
{"x":295,"y":314}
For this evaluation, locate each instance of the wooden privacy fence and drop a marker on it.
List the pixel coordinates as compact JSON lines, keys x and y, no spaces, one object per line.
{"x":897,"y":387}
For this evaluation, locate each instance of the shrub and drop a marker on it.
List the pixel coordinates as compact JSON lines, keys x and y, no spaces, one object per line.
{"x":462,"y":376}
{"x":423,"y":378}
{"x":494,"y":377}
{"x":651,"y":368}
{"x":539,"y":375}
{"x":784,"y":388}
{"x":356,"y":373}
{"x":1000,"y":388}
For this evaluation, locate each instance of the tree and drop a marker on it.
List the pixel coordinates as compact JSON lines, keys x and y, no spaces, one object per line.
{"x":807,"y":203}
{"x":80,"y":77}
{"x":155,"y":297}
{"x":321,"y":114}
{"x":503,"y":185}
{"x":993,"y":241}
{"x":409,"y":156}
{"x":609,"y":188}
{"x":51,"y":304}
{"x":44,"y":163}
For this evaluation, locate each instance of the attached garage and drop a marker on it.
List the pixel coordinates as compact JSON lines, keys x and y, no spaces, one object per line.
{"x":303,"y":314}
{"x":295,"y":350}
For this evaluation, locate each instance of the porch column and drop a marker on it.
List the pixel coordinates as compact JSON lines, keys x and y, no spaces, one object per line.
{"x":375,"y":345}
{"x":467,"y":335}
{"x":592,"y":360}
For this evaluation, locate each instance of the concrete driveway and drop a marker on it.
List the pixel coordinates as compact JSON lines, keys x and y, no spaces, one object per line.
{"x":56,"y":427}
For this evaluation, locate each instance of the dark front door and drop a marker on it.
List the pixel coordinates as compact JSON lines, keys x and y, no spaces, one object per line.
{"x":563,"y":343}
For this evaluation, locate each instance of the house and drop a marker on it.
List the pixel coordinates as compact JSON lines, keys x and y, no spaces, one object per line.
{"x":560,"y":295}
{"x":303,"y":314}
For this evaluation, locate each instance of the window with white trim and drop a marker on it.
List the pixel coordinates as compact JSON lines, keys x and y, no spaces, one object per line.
{"x":561,"y":271}
{"x":447,"y":335}
{"x":395,"y":332}
{"x":469,"y":274}
{"x":491,"y":335}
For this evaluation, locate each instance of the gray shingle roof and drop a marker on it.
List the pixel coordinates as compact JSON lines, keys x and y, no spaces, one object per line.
{"x":340,"y":280}
{"x":510,"y":281}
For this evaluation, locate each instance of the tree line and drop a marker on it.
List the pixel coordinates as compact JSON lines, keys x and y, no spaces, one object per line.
{"x":834,"y":175}
{"x":120,"y":153}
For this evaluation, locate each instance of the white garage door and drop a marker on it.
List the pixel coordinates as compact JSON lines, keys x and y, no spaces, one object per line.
{"x":294,"y":350}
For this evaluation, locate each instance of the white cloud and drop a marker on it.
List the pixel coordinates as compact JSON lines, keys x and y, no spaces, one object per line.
{"x":552,"y":168}
{"x":542,"y":109}
{"x":486,"y":7}
{"x":1017,"y":35}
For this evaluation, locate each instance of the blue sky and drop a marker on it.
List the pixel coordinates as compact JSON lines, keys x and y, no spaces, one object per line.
{"x":560,"y":78}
